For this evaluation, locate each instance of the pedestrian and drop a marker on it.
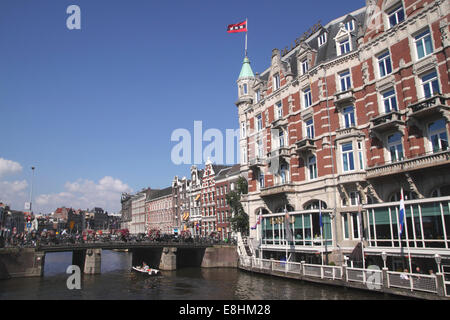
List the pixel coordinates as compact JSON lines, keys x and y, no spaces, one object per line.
{"x":431,"y":272}
{"x":418,"y":270}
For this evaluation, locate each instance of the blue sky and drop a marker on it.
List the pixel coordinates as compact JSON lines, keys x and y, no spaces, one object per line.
{"x":103,"y":101}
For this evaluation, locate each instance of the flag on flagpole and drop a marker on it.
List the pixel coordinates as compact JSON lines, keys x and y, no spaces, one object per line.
{"x":402,"y":213}
{"x":257,"y":223}
{"x":238,"y":27}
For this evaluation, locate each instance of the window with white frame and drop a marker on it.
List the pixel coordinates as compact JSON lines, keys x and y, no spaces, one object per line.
{"x":424,"y":46}
{"x":279,"y":110}
{"x":430,"y":84}
{"x":305,"y":66}
{"x":360,"y":155}
{"x":259,"y":125}
{"x":312,"y":167}
{"x":345,"y":80}
{"x":344,"y":46}
{"x":395,"y":147}
{"x":355,"y":199}
{"x":276,"y":81}
{"x":390,"y":101}
{"x":349,"y":116}
{"x":261,"y":180}
{"x":310,"y":128}
{"x":350,"y":25}
{"x":437,"y":134}
{"x":384,"y":64}
{"x":284,"y":173}
{"x":348,"y":163}
{"x":345,"y":226}
{"x":356,"y":225}
{"x":243,"y":130}
{"x":259,"y":149}
{"x":307,"y":98}
{"x":257,"y":95}
{"x":396,"y":16}
{"x":281,"y":138}
{"x":322,"y":39}
{"x":244,"y":155}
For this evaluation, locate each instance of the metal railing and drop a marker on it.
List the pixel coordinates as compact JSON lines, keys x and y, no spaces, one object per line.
{"x":413,"y":282}
{"x":372,"y":278}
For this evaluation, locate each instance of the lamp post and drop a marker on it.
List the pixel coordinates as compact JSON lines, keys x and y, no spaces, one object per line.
{"x":438,"y":260}
{"x":384,"y":257}
{"x":31,"y":191}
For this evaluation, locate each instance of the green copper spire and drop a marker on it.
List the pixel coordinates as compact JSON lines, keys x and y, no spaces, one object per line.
{"x":246,"y":71}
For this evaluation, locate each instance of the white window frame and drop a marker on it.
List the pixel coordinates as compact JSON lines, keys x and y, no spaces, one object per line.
{"x":279,"y":111}
{"x":309,"y":128}
{"x":389,"y":99}
{"x":350,"y":25}
{"x":395,"y":12}
{"x":312,"y":168}
{"x":345,"y":154}
{"x":347,"y":116}
{"x":437,"y":133}
{"x":305,"y":66}
{"x":276,"y":81}
{"x":429,"y":83}
{"x":259,"y":124}
{"x":322,"y":39}
{"x":382,"y":61}
{"x":307,"y":97}
{"x":345,"y":80}
{"x":423,"y":35}
{"x":342,"y":43}
{"x":395,"y":145}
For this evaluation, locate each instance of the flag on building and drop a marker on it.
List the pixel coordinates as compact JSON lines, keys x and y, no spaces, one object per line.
{"x":257,"y":223}
{"x":238,"y":27}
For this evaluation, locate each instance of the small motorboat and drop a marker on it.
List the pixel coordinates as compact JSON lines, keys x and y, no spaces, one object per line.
{"x":149,"y":271}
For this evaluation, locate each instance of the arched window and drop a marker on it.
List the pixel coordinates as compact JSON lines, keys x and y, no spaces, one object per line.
{"x":288,"y":207}
{"x":441,"y":192}
{"x":409,"y":195}
{"x":314,"y":205}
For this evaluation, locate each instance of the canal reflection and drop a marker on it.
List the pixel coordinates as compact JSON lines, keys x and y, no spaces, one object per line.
{"x":117,"y":282}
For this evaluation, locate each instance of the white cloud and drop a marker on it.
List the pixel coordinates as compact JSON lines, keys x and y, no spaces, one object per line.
{"x":14,"y":193}
{"x":83,"y":194}
{"x":8,"y":167}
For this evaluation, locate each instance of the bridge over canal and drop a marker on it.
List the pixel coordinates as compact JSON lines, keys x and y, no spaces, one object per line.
{"x":30,"y":262}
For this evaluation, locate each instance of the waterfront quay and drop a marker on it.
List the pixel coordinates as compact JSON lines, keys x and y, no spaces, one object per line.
{"x":427,"y":287}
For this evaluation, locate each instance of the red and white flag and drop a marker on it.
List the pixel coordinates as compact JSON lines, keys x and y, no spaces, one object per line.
{"x":238,"y":27}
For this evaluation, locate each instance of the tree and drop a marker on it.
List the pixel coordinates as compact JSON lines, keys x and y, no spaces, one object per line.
{"x":240,"y":221}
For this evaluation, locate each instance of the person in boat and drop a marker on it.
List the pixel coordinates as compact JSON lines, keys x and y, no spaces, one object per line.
{"x":145,"y":267}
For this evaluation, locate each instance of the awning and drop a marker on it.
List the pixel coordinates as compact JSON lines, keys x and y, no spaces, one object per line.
{"x":198,"y":197}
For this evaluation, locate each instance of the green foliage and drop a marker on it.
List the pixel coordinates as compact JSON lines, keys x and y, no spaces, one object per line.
{"x":240,"y":221}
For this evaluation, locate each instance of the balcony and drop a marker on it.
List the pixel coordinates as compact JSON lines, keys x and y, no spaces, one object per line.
{"x":256,"y":163}
{"x":429,"y":107}
{"x":305,"y":146}
{"x":352,"y":177}
{"x":277,"y":190}
{"x":345,"y":133}
{"x":345,"y":97}
{"x":279,"y":123}
{"x":386,"y":122}
{"x":282,"y":152}
{"x":415,"y":163}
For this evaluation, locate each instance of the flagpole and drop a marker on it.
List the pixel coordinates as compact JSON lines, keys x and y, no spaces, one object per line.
{"x":246,"y":32}
{"x":321,"y":228}
{"x":405,"y":226}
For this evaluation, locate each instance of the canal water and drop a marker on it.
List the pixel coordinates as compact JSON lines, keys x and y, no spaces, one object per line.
{"x":117,"y":282}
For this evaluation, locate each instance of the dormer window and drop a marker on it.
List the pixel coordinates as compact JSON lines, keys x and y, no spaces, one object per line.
{"x":257,"y":96}
{"x":305,"y":66}
{"x":396,"y":16}
{"x":276,"y":81}
{"x":322,"y":39}
{"x":350,"y":26}
{"x":344,"y":46}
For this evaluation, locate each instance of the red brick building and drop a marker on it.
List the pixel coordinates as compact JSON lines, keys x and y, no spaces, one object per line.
{"x":351,"y":114}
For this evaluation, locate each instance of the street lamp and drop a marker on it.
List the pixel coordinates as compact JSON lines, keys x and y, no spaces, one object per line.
{"x":31,"y":192}
{"x":384,"y":257}
{"x":438,"y":260}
